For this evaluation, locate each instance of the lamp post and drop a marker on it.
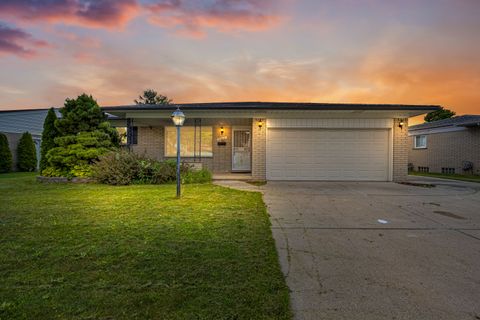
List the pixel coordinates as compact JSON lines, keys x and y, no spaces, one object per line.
{"x":178,"y":119}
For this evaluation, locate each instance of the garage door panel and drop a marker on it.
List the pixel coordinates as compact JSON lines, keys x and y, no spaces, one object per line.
{"x":327,"y":154}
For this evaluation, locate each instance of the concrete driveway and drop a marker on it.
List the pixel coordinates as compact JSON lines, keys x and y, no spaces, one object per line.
{"x":378,"y":250}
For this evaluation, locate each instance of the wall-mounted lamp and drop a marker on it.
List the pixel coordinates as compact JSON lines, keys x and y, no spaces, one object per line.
{"x":222,"y":131}
{"x":401,"y":124}
{"x":260,"y":123}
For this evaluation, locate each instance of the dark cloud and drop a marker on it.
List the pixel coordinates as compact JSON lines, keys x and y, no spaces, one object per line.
{"x":18,"y":42}
{"x":89,"y":13}
{"x":193,"y":18}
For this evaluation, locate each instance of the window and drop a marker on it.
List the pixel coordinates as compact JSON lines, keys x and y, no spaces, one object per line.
{"x":122,"y":133}
{"x":423,"y":169}
{"x":125,"y":138}
{"x":195,"y":141}
{"x":133,"y":136}
{"x":420,"y":142}
{"x":448,"y":170}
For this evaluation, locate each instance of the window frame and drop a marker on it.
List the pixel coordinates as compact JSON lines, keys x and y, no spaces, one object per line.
{"x":166,"y":155}
{"x":415,"y":144}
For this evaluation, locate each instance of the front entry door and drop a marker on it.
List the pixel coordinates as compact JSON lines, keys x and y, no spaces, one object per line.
{"x":242,"y":150}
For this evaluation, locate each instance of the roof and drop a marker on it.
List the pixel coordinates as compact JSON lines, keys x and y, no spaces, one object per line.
{"x":273,"y":106}
{"x":19,"y":121}
{"x":459,"y":121}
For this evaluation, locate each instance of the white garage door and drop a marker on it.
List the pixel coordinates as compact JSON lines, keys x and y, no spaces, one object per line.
{"x":328,"y":154}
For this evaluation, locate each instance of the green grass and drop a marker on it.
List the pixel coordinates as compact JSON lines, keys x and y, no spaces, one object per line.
{"x":257,"y":183}
{"x":89,"y":251}
{"x":463,"y":177}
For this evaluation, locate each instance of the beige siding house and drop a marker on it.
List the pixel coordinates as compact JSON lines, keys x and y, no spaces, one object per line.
{"x":446,"y":146}
{"x":278,"y":141}
{"x":13,"y":123}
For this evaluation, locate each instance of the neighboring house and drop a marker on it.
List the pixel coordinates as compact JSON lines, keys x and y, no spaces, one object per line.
{"x":13,"y":123}
{"x":446,"y":146}
{"x":279,"y":141}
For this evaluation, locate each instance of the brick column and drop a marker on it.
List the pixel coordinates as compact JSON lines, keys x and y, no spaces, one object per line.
{"x":259,"y":139}
{"x":400,"y":150}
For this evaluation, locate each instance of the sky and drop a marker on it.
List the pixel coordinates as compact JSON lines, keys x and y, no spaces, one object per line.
{"x":355,"y":51}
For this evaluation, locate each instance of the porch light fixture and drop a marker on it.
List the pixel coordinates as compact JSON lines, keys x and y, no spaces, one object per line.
{"x":401,"y":123}
{"x":260,"y":123}
{"x":221,"y":131}
{"x":178,"y":118}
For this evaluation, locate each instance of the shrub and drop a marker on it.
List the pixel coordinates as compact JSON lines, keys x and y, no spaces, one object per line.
{"x":197,"y":176}
{"x":117,"y":168}
{"x":26,"y":153}
{"x":124,"y":167}
{"x":5,"y":154}
{"x":49,"y":134}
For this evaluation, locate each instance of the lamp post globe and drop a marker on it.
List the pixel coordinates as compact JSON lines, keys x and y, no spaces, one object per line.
{"x":178,"y":118}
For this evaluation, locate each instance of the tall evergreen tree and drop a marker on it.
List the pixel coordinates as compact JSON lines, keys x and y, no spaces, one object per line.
{"x":50,"y":132}
{"x":84,"y":135}
{"x":150,"y":96}
{"x":26,"y":153}
{"x":5,"y":155}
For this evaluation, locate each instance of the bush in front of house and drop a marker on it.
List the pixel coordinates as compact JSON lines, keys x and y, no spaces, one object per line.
{"x":26,"y":153}
{"x":84,"y":135}
{"x":117,"y":168}
{"x":124,"y":168}
{"x":197,"y":176}
{"x":5,"y":155}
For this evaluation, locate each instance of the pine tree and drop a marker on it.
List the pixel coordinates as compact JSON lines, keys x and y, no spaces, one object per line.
{"x":50,"y":132}
{"x":26,"y":153}
{"x":151,"y":96}
{"x":84,"y":134}
{"x":5,"y":154}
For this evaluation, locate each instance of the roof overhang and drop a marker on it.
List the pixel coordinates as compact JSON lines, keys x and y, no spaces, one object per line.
{"x":271,"y":110}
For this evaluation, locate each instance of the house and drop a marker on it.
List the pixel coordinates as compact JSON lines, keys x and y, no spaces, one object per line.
{"x":446,"y":146}
{"x":278,"y":141}
{"x":13,"y":123}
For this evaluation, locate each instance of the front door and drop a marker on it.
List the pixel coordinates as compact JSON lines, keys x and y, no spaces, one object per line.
{"x":242,"y":150}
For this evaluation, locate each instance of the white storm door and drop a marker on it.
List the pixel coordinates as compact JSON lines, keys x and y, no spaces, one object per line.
{"x":241,"y":150}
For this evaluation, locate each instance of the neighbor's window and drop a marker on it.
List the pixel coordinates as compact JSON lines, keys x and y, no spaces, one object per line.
{"x":193,"y":142}
{"x":420,"y":142}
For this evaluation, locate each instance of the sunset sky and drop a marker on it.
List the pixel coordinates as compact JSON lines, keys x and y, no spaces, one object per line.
{"x":370,"y":51}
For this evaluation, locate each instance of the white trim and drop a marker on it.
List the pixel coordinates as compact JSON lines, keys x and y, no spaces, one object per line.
{"x":322,"y":123}
{"x":435,"y":130}
{"x":390,"y":154}
{"x":273,"y":114}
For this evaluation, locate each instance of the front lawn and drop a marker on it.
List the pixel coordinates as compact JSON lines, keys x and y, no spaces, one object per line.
{"x":463,"y":177}
{"x":102,"y":252}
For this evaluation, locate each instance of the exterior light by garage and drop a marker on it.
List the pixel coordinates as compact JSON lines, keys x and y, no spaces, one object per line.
{"x":222,"y":131}
{"x":178,"y":118}
{"x":401,"y":124}
{"x":260,"y":123}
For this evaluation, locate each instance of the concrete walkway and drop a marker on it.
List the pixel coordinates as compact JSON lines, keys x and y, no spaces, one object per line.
{"x":377,"y":250}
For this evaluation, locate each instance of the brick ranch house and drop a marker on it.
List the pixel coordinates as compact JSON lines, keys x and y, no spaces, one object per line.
{"x":278,"y":141}
{"x":446,"y":146}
